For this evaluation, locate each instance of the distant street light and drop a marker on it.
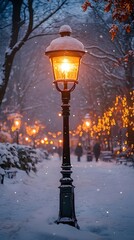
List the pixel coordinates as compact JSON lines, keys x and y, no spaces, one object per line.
{"x":15,"y":119}
{"x":17,"y":124}
{"x":87,"y":122}
{"x":65,"y":54}
{"x":60,"y":114}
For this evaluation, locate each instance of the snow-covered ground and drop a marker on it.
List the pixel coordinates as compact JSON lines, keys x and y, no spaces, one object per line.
{"x":104,"y":202}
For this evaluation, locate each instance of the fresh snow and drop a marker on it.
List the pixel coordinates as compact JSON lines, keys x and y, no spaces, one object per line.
{"x":104,"y":200}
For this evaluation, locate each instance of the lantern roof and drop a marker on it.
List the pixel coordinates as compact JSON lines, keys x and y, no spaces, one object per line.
{"x":87,"y":116}
{"x":12,"y":116}
{"x":65,"y":42}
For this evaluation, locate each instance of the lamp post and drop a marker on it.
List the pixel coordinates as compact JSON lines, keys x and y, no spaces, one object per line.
{"x":16,"y":121}
{"x":17,"y":124}
{"x":34,"y":132}
{"x":87,"y":121}
{"x":65,"y":54}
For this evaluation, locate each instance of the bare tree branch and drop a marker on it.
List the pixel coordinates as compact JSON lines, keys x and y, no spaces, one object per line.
{"x":3,"y":5}
{"x":49,"y":15}
{"x":108,"y":55}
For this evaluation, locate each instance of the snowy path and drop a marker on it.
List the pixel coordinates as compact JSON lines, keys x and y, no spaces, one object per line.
{"x":104,"y":199}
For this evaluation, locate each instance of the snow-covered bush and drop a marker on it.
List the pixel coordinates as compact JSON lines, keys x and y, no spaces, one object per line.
{"x":20,"y":156}
{"x":27,"y":158}
{"x":8,"y":156}
{"x":5,"y":137}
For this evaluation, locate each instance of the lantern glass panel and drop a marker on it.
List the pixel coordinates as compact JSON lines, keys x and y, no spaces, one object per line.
{"x":17,"y":122}
{"x":66,"y":68}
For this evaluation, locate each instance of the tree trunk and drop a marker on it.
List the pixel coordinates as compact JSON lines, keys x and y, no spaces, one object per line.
{"x":130,"y":101}
{"x":6,"y":73}
{"x":9,"y":55}
{"x":15,"y":21}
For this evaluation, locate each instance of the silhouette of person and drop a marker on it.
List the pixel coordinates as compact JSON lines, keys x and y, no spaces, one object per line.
{"x":78,"y":151}
{"x":97,"y":151}
{"x":59,"y":150}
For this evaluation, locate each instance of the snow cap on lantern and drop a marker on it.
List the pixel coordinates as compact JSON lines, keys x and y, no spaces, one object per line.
{"x":65,"y":54}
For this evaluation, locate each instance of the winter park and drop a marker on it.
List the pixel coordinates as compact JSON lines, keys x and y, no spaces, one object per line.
{"x":66,"y":120}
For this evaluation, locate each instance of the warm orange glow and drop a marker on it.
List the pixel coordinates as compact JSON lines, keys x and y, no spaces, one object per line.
{"x":66,"y":68}
{"x":32,"y":130}
{"x":87,"y":123}
{"x":59,"y":133}
{"x":16,"y":125}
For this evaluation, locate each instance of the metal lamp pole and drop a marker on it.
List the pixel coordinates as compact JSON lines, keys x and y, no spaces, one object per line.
{"x":17,"y":136}
{"x":67,"y":205}
{"x":88,"y":125}
{"x":17,"y":124}
{"x":65,"y":54}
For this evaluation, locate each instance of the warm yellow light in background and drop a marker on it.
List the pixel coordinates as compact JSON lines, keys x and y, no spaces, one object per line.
{"x":16,"y":125}
{"x":66,"y":68}
{"x":87,"y":123}
{"x":59,"y":114}
{"x":34,"y":131}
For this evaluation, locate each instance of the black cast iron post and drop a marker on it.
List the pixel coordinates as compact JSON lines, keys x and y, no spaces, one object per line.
{"x":66,"y":205}
{"x":17,"y":136}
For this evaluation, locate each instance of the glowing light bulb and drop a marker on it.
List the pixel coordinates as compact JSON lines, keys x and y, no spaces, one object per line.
{"x":65,"y":66}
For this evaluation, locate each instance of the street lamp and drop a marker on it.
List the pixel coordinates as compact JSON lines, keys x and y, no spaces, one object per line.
{"x":17,"y":125}
{"x":65,"y":54}
{"x":15,"y":119}
{"x":87,"y":125}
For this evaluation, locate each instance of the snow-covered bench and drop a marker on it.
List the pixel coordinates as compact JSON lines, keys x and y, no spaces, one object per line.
{"x":107,"y":156}
{"x":121,"y":160}
{"x":126,"y":160}
{"x":11,"y":173}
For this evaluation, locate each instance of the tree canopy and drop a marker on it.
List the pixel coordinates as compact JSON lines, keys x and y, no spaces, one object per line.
{"x":122,"y":12}
{"x":24,"y":19}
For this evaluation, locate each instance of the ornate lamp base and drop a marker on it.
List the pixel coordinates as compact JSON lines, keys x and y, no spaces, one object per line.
{"x":67,"y":209}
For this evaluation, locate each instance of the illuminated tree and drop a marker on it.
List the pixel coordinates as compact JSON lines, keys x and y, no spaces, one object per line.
{"x":32,"y":131}
{"x":120,"y":115}
{"x":121,"y":14}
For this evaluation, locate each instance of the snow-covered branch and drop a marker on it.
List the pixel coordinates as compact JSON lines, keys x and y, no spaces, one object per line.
{"x":107,"y":55}
{"x":104,"y":73}
{"x":49,"y":15}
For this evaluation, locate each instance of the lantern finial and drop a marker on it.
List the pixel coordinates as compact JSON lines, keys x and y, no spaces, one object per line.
{"x":65,"y":30}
